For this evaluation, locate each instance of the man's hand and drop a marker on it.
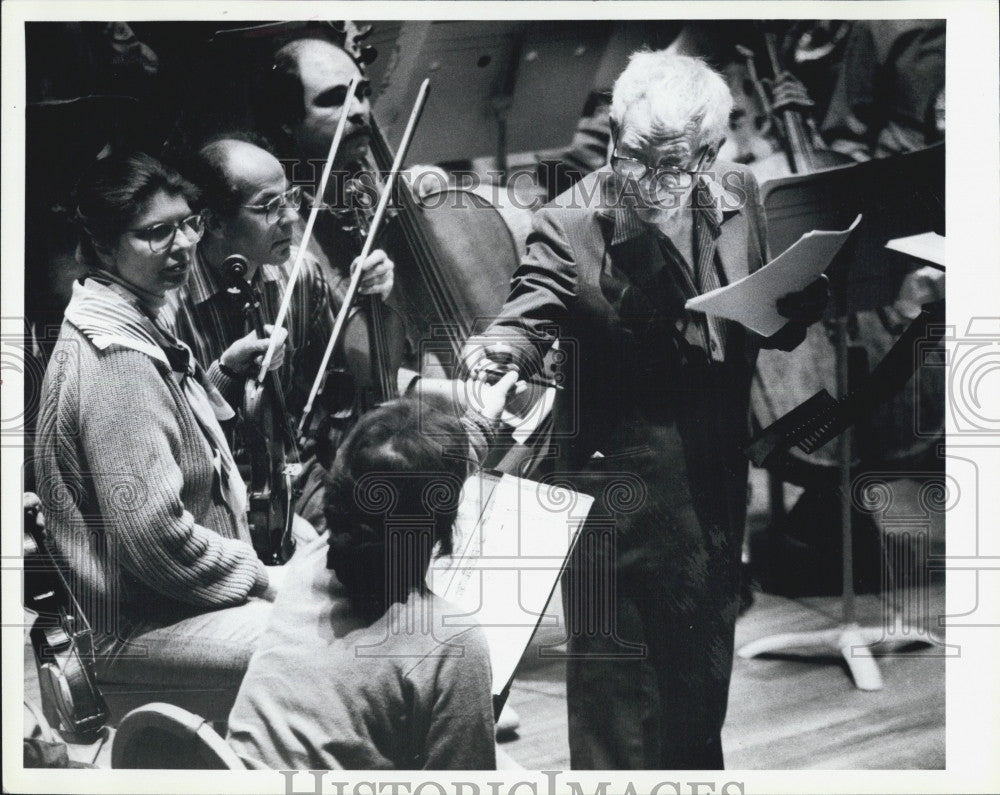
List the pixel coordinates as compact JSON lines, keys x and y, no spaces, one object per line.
{"x":377,"y":274}
{"x":489,"y":400}
{"x":923,"y":286}
{"x":790,"y":94}
{"x":802,"y":308}
{"x":807,"y":305}
{"x":242,"y":355}
{"x":788,"y":338}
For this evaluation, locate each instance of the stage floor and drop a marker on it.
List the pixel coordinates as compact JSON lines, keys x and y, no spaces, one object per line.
{"x":785,"y":712}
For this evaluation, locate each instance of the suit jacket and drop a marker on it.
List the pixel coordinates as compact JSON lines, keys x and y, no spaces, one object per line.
{"x":596,"y":277}
{"x":669,"y":416}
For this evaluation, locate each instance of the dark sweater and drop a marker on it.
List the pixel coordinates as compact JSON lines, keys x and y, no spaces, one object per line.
{"x":327,"y":689}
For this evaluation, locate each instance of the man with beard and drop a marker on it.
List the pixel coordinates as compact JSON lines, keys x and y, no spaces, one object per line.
{"x":303,"y":97}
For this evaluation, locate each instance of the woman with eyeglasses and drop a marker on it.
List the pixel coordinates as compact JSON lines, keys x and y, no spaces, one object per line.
{"x":140,"y":493}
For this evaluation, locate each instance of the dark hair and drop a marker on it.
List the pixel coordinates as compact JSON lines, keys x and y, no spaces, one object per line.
{"x":111,"y":193}
{"x":280,"y":98}
{"x":209,"y":170}
{"x":393,"y":495}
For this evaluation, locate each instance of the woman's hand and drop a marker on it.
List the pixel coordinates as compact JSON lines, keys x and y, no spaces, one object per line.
{"x":248,"y":351}
{"x":377,"y":274}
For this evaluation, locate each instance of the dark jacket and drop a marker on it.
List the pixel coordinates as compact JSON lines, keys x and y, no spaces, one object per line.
{"x":669,"y":418}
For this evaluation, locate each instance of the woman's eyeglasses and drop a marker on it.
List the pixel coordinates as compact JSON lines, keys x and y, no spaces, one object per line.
{"x":291,"y":199}
{"x":160,"y":237}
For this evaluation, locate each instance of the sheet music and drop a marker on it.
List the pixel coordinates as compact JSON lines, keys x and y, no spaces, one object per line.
{"x":928,"y":246}
{"x":512,"y":538}
{"x":751,"y":300}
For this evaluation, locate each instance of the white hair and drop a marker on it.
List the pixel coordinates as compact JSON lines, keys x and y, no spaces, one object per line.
{"x":661,"y":95}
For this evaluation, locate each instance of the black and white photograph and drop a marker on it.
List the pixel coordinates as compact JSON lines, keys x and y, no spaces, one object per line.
{"x":500,"y":397}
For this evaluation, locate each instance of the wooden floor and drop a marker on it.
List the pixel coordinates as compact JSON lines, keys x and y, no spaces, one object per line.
{"x":787,"y":712}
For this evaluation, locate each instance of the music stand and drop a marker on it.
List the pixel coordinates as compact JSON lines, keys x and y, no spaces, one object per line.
{"x":896,"y":196}
{"x":496,"y":86}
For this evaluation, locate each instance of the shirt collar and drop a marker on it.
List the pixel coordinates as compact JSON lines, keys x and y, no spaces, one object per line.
{"x":203,"y":284}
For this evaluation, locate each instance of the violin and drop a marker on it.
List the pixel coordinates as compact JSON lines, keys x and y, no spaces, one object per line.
{"x":275,"y":460}
{"x":61,"y":638}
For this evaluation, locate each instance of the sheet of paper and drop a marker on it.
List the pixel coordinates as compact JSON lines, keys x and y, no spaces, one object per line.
{"x":928,"y":246}
{"x":751,"y":300}
{"x":512,"y":540}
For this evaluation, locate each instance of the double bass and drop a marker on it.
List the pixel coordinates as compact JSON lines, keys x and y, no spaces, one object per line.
{"x":783,"y":381}
{"x":799,"y":153}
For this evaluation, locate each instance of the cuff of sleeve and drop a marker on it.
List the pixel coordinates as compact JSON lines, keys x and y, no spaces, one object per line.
{"x":528,"y":355}
{"x":261,"y":580}
{"x":478,"y":425}
{"x":225,"y":380}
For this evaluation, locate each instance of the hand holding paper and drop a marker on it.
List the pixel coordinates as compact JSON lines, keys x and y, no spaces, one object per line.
{"x":753,"y":300}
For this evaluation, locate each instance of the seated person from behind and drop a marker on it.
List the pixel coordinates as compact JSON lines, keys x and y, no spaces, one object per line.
{"x":356,"y":669}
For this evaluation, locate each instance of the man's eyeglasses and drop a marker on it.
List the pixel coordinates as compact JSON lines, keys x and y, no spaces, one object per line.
{"x":291,"y":199}
{"x":160,"y":237}
{"x":663,"y":176}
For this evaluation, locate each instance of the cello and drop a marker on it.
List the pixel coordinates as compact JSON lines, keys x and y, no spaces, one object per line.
{"x":455,"y":251}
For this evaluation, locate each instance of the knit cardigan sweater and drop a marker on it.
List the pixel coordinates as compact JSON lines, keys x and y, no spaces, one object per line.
{"x":131,"y":492}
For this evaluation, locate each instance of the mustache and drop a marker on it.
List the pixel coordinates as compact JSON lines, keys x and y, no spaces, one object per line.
{"x":361,"y":131}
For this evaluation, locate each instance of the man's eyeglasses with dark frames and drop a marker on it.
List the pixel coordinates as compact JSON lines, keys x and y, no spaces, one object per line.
{"x":663,"y":176}
{"x":160,"y":237}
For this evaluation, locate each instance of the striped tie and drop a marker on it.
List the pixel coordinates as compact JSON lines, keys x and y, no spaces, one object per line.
{"x":707,"y":276}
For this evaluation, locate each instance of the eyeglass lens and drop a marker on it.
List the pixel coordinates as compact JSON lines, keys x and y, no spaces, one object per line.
{"x":291,"y":199}
{"x":161,"y":237}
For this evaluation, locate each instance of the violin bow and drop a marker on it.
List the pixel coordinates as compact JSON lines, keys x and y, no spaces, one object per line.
{"x":286,"y":300}
{"x":352,"y":287}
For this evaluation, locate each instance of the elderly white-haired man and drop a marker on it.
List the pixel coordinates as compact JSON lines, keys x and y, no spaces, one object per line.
{"x":654,"y":413}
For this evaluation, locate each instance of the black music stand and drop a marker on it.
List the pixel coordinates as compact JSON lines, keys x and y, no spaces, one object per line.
{"x":496,"y":86}
{"x":896,"y":196}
